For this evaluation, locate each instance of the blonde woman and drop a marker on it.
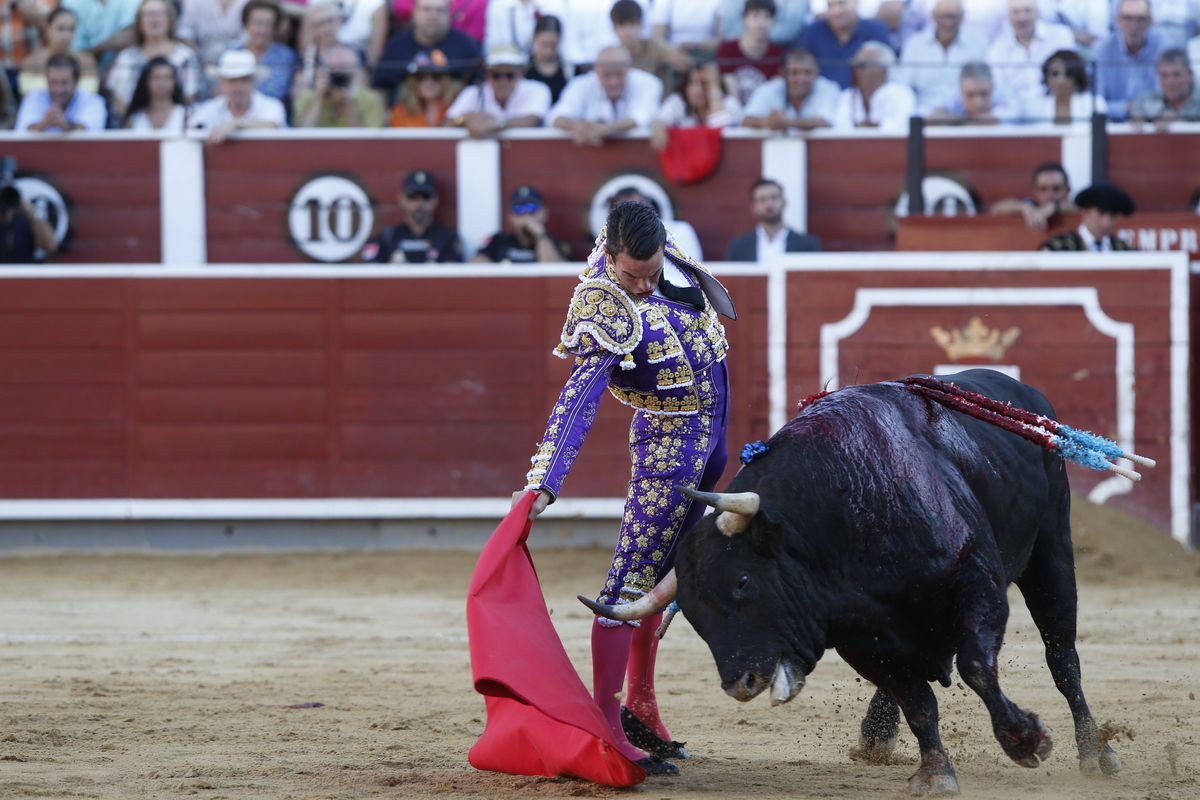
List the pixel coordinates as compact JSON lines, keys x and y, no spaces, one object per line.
{"x":154,"y":34}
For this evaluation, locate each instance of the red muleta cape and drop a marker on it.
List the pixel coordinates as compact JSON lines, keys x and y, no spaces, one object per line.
{"x":541,"y":719}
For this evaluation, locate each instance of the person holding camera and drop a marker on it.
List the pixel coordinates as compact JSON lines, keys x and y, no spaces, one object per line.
{"x":339,"y":98}
{"x":22,"y":233}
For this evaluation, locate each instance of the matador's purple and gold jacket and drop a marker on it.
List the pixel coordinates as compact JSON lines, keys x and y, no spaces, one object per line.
{"x":650,"y":353}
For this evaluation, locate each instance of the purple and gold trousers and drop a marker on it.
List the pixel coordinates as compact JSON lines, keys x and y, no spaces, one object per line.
{"x":667,"y":451}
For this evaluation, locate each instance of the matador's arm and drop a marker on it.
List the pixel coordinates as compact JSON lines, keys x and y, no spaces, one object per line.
{"x":571,"y":419}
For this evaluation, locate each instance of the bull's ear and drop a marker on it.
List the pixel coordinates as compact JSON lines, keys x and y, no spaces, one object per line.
{"x":766,"y":534}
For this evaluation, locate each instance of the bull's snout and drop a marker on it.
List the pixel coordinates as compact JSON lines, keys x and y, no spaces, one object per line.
{"x":747,"y":686}
{"x":783,"y":683}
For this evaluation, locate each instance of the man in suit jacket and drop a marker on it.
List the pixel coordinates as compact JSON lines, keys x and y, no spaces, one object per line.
{"x":1100,"y":203}
{"x":770,"y":237}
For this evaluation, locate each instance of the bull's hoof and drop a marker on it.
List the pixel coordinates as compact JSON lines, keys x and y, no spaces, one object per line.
{"x":656,"y":766}
{"x":646,"y":740}
{"x":925,"y":785}
{"x":1032,"y":747}
{"x":1104,"y":763}
{"x":874,"y":752}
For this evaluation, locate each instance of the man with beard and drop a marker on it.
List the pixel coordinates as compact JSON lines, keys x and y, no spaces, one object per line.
{"x":770,"y":236}
{"x":419,"y":238}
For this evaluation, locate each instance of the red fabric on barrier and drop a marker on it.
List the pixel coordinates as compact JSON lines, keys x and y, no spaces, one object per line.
{"x":541,"y":718}
{"x":691,"y":154}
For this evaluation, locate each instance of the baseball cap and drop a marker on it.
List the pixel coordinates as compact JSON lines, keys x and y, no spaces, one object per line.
{"x":236,"y":64}
{"x":526,"y":200}
{"x":420,"y":181}
{"x":505,"y":55}
{"x":434,"y":62}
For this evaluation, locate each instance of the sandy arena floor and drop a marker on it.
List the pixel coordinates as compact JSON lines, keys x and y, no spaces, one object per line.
{"x":133,"y":677}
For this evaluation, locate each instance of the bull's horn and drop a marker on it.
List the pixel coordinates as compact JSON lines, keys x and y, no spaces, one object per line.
{"x":647,"y":605}
{"x":745,"y":503}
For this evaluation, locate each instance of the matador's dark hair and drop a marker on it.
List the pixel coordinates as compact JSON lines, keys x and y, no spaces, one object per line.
{"x":634,"y":228}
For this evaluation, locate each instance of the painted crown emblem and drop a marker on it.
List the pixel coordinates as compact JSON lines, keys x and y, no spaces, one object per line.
{"x":976,"y":342}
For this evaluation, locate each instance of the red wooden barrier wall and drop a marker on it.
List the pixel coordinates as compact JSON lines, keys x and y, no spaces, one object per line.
{"x":113,"y":189}
{"x":305,"y":388}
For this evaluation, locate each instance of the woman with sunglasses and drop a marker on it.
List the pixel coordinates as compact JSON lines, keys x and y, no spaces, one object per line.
{"x":1066,"y":99}
{"x":504,"y":100}
{"x":425,"y":96}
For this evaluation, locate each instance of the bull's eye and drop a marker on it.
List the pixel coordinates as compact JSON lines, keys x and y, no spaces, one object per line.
{"x":742,"y":581}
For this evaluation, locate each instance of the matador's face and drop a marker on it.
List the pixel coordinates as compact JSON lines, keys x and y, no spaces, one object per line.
{"x":639,"y":278}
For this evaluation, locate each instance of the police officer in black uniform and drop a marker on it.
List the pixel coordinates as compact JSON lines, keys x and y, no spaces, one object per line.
{"x":529,"y":240}
{"x":419,"y":238}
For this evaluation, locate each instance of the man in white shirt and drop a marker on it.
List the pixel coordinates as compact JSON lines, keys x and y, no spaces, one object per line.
{"x":505,"y":100}
{"x":932,"y":58}
{"x":770,"y":237}
{"x":61,"y":107}
{"x":239,"y":104}
{"x":610,"y":99}
{"x":802,"y":99}
{"x":1016,"y":57}
{"x":872,"y":101}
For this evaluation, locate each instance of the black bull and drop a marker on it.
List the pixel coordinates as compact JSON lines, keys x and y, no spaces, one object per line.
{"x":888,"y":528}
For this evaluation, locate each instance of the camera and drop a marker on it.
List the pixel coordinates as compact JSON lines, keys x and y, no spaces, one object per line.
{"x":339,"y":80}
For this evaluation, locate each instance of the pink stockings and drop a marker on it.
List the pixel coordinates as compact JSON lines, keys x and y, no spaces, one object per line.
{"x":613,"y":649}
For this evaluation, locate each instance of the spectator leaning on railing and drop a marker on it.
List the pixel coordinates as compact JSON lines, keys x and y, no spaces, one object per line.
{"x":1177,"y":99}
{"x":506,"y":99}
{"x":61,"y":107}
{"x":978,"y":101}
{"x":802,"y":99}
{"x":872,"y":101}
{"x":751,"y":59}
{"x":933,"y":57}
{"x":1126,"y":60}
{"x":1051,"y":197}
{"x":239,"y":105}
{"x":610,"y":99}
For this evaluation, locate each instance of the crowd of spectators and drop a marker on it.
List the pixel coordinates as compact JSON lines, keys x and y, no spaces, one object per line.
{"x":593,"y":67}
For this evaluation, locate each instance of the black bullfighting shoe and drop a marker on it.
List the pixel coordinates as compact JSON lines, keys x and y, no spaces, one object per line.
{"x":656,"y":766}
{"x":641,"y":737}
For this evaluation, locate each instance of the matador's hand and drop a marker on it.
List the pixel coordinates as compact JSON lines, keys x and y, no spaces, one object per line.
{"x":539,"y":505}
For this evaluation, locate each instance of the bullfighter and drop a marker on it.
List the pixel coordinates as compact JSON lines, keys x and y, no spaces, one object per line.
{"x":643,"y":322}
